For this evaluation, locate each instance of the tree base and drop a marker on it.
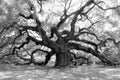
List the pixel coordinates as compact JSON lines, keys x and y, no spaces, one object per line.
{"x":63,"y":60}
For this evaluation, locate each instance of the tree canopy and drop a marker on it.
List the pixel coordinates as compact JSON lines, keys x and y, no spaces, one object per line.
{"x":32,"y":31}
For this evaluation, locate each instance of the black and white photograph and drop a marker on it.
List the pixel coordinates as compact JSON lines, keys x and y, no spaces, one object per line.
{"x":59,"y":39}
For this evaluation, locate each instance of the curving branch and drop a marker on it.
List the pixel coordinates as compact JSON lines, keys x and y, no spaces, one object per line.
{"x":103,"y":58}
{"x":41,"y":63}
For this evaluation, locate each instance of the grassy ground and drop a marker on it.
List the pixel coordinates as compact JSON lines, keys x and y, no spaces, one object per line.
{"x":40,"y":73}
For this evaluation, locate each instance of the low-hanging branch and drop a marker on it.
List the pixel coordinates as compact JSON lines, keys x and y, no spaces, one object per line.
{"x":93,"y":52}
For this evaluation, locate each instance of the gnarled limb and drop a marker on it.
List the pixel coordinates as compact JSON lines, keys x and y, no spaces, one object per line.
{"x":103,"y":58}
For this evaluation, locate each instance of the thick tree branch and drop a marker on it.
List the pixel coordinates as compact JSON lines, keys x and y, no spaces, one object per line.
{"x":95,"y":53}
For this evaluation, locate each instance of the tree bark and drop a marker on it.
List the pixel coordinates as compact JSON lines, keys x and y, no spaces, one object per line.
{"x":63,"y":59}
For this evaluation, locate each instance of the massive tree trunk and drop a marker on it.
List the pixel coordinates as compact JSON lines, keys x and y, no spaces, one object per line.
{"x":63,"y":58}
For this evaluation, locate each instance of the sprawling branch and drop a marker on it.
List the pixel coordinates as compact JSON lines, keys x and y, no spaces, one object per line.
{"x":93,"y":52}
